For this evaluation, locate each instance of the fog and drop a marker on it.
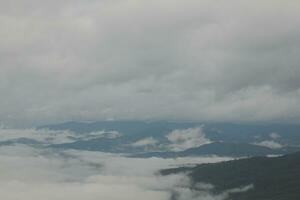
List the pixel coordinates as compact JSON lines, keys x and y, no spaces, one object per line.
{"x":36,"y":172}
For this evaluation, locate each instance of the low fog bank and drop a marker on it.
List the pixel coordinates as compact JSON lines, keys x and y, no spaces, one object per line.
{"x":29,"y":173}
{"x":32,"y":172}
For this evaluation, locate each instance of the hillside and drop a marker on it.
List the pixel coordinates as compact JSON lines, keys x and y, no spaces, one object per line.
{"x":276,"y":178}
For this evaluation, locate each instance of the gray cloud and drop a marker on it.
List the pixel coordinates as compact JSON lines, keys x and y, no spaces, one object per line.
{"x":126,"y":59}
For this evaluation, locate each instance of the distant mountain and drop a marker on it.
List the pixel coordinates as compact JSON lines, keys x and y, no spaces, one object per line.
{"x":116,"y":145}
{"x":222,"y":149}
{"x":128,"y":128}
{"x":113,"y":145}
{"x":235,"y":140}
{"x":287,"y":134}
{"x":276,"y":178}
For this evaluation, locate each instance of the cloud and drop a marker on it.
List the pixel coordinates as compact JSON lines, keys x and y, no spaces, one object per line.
{"x":74,"y":174}
{"x":193,"y":60}
{"x":185,"y":193}
{"x":43,"y":136}
{"x":76,"y":191}
{"x":182,"y":139}
{"x":46,"y":136}
{"x":100,"y":134}
{"x":275,"y":136}
{"x":90,"y":175}
{"x":149,"y":141}
{"x":270,"y":144}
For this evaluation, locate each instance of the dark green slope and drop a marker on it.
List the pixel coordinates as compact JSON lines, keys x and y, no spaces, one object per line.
{"x":273,"y":178}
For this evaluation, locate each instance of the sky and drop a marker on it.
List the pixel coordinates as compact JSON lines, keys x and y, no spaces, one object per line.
{"x":192,"y":60}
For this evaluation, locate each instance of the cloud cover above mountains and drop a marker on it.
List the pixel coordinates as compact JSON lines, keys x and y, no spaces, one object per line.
{"x":127,"y":59}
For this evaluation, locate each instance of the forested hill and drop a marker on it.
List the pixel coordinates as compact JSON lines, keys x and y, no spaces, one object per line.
{"x":276,"y":178}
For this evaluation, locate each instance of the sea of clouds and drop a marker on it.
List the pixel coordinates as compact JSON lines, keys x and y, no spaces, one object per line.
{"x":34,"y":172}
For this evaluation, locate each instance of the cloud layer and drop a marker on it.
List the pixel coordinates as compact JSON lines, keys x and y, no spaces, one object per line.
{"x":127,"y":59}
{"x":34,"y":173}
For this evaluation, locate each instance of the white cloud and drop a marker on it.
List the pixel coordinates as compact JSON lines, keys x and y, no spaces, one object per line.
{"x":274,"y":136}
{"x":149,"y":141}
{"x":100,"y":134}
{"x":77,"y":191}
{"x":270,"y":144}
{"x":182,"y":139}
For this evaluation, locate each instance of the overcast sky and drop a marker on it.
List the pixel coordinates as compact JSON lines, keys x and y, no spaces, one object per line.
{"x":200,"y":60}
